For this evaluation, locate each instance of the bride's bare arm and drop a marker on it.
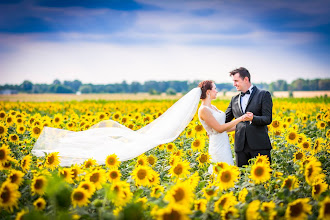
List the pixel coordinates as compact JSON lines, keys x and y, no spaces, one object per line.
{"x":231,"y":129}
{"x":207,"y":116}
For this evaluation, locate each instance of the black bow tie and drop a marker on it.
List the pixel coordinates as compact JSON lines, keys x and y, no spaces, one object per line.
{"x":244,"y":93}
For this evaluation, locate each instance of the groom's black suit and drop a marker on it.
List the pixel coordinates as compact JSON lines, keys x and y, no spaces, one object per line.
{"x":251,"y":138}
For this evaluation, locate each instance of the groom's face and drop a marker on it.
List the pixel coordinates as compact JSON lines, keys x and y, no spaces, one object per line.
{"x":239,"y":83}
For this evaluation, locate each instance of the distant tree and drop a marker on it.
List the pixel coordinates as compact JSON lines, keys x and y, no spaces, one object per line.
{"x":170,"y":91}
{"x":27,"y":86}
{"x":324,"y":84}
{"x":74,"y":85}
{"x":85,"y":89}
{"x":63,"y":89}
{"x":135,"y":87}
{"x":56,"y":82}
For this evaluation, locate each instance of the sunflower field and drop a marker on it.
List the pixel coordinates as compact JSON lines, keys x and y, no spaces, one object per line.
{"x":170,"y":181}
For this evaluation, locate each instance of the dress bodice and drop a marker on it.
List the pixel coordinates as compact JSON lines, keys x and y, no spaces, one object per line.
{"x":220,"y":116}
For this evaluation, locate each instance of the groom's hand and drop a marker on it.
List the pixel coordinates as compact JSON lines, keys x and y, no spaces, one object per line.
{"x":249,"y":116}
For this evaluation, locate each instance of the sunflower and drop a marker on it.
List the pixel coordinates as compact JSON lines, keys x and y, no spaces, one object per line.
{"x":114,"y":175}
{"x":13,"y":138}
{"x":227,"y":177}
{"x":3,"y":130}
{"x":298,"y":156}
{"x":38,"y":185}
{"x":292,"y":137}
{"x":9,"y":121}
{"x":305,"y":145}
{"x":26,"y":163}
{"x":321,"y":125}
{"x":20,"y":215}
{"x":154,"y":178}
{"x":88,"y":186}
{"x":66,"y":174}
{"x":197,"y":145}
{"x":20,"y":129}
{"x":170,"y":147}
{"x":269,"y":209}
{"x":180,"y":169}
{"x":242,"y":195}
{"x":180,"y":194}
{"x":122,"y":193}
{"x":252,"y":211}
{"x":90,"y":162}
{"x":112,"y":161}
{"x":318,"y":188}
{"x":260,"y":172}
{"x":52,"y":160}
{"x":173,"y":212}
{"x":97,"y":177}
{"x":230,"y":213}
{"x":152,"y":160}
{"x":58,"y":119}
{"x":298,"y":209}
{"x":15,"y":177}
{"x":276,"y":125}
{"x":198,"y":129}
{"x":219,"y":166}
{"x":193,"y":180}
{"x":225,"y":201}
{"x":210,"y":191}
{"x":312,"y":169}
{"x":80,"y":197}
{"x":324,"y":212}
{"x":157,"y":191}
{"x":203,"y":159}
{"x":141,"y":175}
{"x":5,"y":154}
{"x":76,"y":170}
{"x":318,"y":145}
{"x":291,"y":182}
{"x":200,"y":205}
{"x":142,"y":160}
{"x":9,"y":196}
{"x":39,"y":204}
{"x":2,"y":115}
{"x":36,"y":131}
{"x":262,"y":159}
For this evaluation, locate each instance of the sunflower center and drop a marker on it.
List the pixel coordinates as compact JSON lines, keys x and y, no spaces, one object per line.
{"x":36,"y":130}
{"x":78,"y":196}
{"x":288,"y":183}
{"x":225,"y":177}
{"x":276,"y":124}
{"x":5,"y":195}
{"x":2,"y":130}
{"x":51,"y":159}
{"x":223,"y":202}
{"x":299,"y":156}
{"x":13,"y":178}
{"x":2,"y":154}
{"x":39,"y":184}
{"x":327,"y":209}
{"x":196,"y":143}
{"x":75,"y":173}
{"x":292,"y":136}
{"x":259,"y":171}
{"x":179,"y":195}
{"x":178,"y":169}
{"x":203,"y":158}
{"x":111,"y":161}
{"x":39,"y":204}
{"x":310,"y":171}
{"x":141,"y":174}
{"x":23,"y":163}
{"x":57,"y":120}
{"x":95,"y":177}
{"x":14,"y":137}
{"x":2,"y":115}
{"x":174,"y":215}
{"x":151,"y":160}
{"x":296,"y":210}
{"x":210,"y":192}
{"x":305,"y":145}
{"x":317,"y":189}
{"x":88,"y":164}
{"x":113,"y":175}
{"x":85,"y":186}
{"x":198,"y":128}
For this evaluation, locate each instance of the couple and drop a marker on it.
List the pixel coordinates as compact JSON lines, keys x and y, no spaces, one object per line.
{"x":109,"y":137}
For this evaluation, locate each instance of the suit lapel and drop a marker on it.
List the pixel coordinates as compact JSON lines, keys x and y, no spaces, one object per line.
{"x":254,"y":90}
{"x":239,"y":103}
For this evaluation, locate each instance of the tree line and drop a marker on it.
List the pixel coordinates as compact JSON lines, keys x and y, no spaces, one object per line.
{"x":156,"y":87}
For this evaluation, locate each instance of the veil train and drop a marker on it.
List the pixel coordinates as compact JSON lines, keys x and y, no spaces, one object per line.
{"x":109,"y":137}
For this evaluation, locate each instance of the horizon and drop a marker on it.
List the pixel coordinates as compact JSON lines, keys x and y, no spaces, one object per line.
{"x":109,"y":41}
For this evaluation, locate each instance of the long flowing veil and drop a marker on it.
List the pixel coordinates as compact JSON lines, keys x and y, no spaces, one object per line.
{"x":109,"y":137}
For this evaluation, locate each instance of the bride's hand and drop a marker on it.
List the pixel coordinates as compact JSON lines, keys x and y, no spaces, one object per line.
{"x":242,"y":118}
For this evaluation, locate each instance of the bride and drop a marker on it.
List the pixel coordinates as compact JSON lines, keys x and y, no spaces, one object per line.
{"x":109,"y":137}
{"x":213,"y":120}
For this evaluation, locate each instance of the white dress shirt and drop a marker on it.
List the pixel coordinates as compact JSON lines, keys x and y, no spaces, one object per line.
{"x":245,"y":99}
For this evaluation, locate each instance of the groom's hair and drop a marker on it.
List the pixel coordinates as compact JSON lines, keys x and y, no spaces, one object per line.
{"x":242,"y":73}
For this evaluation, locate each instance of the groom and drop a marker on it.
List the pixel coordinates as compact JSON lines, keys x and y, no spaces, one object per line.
{"x":251,"y":136}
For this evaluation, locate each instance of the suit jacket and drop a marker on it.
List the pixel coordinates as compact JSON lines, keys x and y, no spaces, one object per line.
{"x":260,"y":104}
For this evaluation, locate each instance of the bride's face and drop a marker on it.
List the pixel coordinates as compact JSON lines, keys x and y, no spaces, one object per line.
{"x":213,"y":92}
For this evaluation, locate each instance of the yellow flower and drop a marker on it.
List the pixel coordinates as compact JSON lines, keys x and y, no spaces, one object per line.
{"x":154,"y":178}
{"x":114,"y":175}
{"x":3,"y":130}
{"x":298,"y":156}
{"x":20,"y":129}
{"x":170,"y":147}
{"x":321,"y":125}
{"x":38,"y":185}
{"x":79,"y":197}
{"x":298,"y":209}
{"x":76,"y":170}
{"x":227,"y":177}
{"x":88,"y":186}
{"x":318,"y":188}
{"x":66,"y":174}
{"x":90,"y":162}
{"x":20,"y":215}
{"x":4,"y":154}
{"x":210,"y":191}
{"x":180,"y":194}
{"x":9,"y":196}
{"x":276,"y":125}
{"x":180,"y":169}
{"x":242,"y":195}
{"x":312,"y":169}
{"x":152,"y":160}
{"x":291,"y":182}
{"x":15,"y":177}
{"x":157,"y":191}
{"x":219,"y":166}
{"x":39,"y":204}
{"x":324,"y":212}
{"x":200,"y":205}
{"x":2,"y":115}
{"x":112,"y":161}
{"x":225,"y":201}
{"x":58,"y":119}
{"x":260,"y":172}
{"x":292,"y":137}
{"x":197,"y":145}
{"x":142,"y":160}
{"x":262,"y":159}
{"x":97,"y":177}
{"x":173,"y":212}
{"x":13,"y":138}
{"x":230,"y":213}
{"x":305,"y":145}
{"x":203,"y":159}
{"x":122,"y":193}
{"x":141,"y":175}
{"x":252,"y":212}
{"x":36,"y":131}
{"x":26,"y":163}
{"x":269,"y":209}
{"x":52,"y":160}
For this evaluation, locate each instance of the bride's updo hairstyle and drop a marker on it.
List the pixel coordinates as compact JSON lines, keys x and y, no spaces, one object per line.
{"x":205,"y":85}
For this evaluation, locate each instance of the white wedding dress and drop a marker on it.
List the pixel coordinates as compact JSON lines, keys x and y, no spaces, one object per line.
{"x":110,"y":137}
{"x":219,"y":145}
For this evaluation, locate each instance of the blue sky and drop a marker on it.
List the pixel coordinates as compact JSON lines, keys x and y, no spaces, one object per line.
{"x":100,"y":42}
